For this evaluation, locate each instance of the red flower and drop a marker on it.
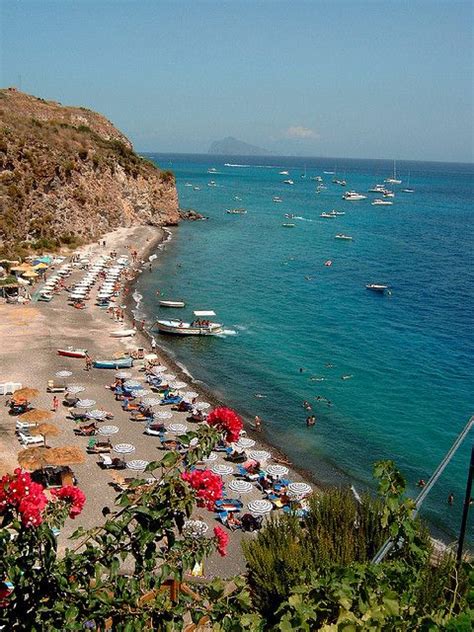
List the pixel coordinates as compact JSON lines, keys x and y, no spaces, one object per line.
{"x":208,"y":486}
{"x":21,"y":493}
{"x":228,"y":420}
{"x":222,"y":540}
{"x":73,"y":496}
{"x":5,"y":592}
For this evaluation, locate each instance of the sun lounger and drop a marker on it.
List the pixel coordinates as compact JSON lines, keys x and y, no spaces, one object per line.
{"x":28,"y":440}
{"x":109,"y":463}
{"x":24,"y":425}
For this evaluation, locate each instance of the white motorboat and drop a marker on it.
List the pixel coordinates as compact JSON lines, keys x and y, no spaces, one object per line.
{"x":212,"y":183}
{"x":377,"y":287}
{"x":288,"y":182}
{"x":172,"y":304}
{"x":327,"y":215}
{"x":393,"y":179}
{"x":198,"y":327}
{"x":284,"y":173}
{"x":334,"y":212}
{"x":236,"y":211}
{"x":288,"y":225}
{"x":343,"y":237}
{"x":196,"y":188}
{"x":212,"y":170}
{"x":388,"y":194}
{"x":380,"y":202}
{"x":277,"y":199}
{"x":377,"y":188}
{"x":123,"y":333}
{"x":342,"y":183}
{"x":353,"y":196}
{"x":329,"y":173}
{"x":188,"y":184}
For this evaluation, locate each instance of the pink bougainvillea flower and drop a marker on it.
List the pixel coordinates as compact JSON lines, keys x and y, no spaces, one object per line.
{"x":222,"y":540}
{"x":227,"y":420}
{"x":73,"y":496}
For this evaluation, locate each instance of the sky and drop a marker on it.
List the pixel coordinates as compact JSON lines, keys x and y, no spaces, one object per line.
{"x":372,"y":79}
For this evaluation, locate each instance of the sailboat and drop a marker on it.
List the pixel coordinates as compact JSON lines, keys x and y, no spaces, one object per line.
{"x":408,"y":189}
{"x":393,"y":179}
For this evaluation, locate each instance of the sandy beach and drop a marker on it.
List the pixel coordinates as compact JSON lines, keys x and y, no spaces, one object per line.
{"x":31,"y":335}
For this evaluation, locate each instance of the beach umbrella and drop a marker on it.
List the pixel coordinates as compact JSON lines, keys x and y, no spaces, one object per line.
{"x":63,"y":374}
{"x":124,"y":448}
{"x":66,"y":455}
{"x":26,"y":393}
{"x":133,"y":384}
{"x":260,"y":455}
{"x":123,"y":375}
{"x":36,"y":415}
{"x":210,"y":458}
{"x":151,"y":401}
{"x":240,"y":486}
{"x":164,"y":414}
{"x":30,"y":274}
{"x":177,"y":428}
{"x":73,"y":389}
{"x":202,"y":405}
{"x":299,"y":489}
{"x":260,"y":507}
{"x":195,"y":528}
{"x":277,"y":470}
{"x":107,"y":431}
{"x":137,"y":464}
{"x":85,"y":403}
{"x":45,"y":430}
{"x":244,"y":443}
{"x":41,"y":266}
{"x":222,"y":469}
{"x":33,"y":458}
{"x":178,"y":385}
{"x":96,"y":414}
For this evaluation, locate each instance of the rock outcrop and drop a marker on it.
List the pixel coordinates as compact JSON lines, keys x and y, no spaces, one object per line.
{"x":67,"y":174}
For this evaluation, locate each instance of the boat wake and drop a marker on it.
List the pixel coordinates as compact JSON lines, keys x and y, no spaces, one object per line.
{"x":229,"y":164}
{"x":303,"y":219}
{"x":227,"y":332}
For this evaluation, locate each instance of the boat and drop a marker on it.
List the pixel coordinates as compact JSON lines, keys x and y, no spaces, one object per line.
{"x":284,"y":173}
{"x":198,"y":327}
{"x":289,"y":215}
{"x":379,"y":202}
{"x":188,"y":184}
{"x":118,"y":363}
{"x":393,"y":179}
{"x":336,"y":213}
{"x":388,"y":193}
{"x":376,"y":287}
{"x":72,"y":352}
{"x":172,"y":304}
{"x":196,"y":188}
{"x":288,"y":182}
{"x":123,"y":333}
{"x":353,"y":196}
{"x":327,"y":215}
{"x":408,"y":189}
{"x":329,"y":173}
{"x":212,"y":170}
{"x":212,"y":183}
{"x":303,"y":175}
{"x":46,"y":297}
{"x":344,"y":237}
{"x":377,"y":188}
{"x":342,"y":183}
{"x":288,"y":225}
{"x":236,"y":211}
{"x":277,"y":198}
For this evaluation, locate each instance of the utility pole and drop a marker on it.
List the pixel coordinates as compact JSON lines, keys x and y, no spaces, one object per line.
{"x":467,"y":502}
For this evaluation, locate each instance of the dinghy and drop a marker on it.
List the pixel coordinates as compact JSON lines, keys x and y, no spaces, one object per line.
{"x":172,"y":303}
{"x":198,"y":327}
{"x":119,"y":363}
{"x":71,"y":352}
{"x":123,"y":333}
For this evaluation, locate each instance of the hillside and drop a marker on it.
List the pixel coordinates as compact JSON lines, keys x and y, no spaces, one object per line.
{"x":230,"y":146}
{"x":67,"y":175}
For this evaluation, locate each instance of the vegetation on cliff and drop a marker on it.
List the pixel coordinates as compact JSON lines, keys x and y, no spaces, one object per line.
{"x":67,"y":174}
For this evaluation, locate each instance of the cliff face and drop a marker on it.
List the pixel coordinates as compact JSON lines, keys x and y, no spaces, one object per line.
{"x":68,"y":173}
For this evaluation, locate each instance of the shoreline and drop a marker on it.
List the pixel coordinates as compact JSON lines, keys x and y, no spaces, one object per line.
{"x":204,"y":389}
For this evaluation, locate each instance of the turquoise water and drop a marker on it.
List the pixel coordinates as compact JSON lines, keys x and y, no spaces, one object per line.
{"x":409,"y":354}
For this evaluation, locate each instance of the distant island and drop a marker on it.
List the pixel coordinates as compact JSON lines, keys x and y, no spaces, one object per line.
{"x":231,"y":146}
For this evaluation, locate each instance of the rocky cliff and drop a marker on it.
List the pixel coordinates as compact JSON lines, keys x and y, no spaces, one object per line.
{"x":68,"y":174}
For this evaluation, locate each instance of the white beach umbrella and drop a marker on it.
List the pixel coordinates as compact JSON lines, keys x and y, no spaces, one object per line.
{"x":300,"y":489}
{"x":85,"y":403}
{"x":240,"y":486}
{"x":133,"y":384}
{"x":169,"y":377}
{"x":63,"y":374}
{"x":151,"y":401}
{"x":73,"y":389}
{"x":165,"y":414}
{"x":137,"y":464}
{"x":177,"y":428}
{"x":178,"y":385}
{"x":260,"y":455}
{"x":189,"y":395}
{"x":96,"y":414}
{"x":124,"y":448}
{"x":243,"y":443}
{"x":222,"y":469}
{"x":277,"y":470}
{"x":260,"y":507}
{"x":202,"y":405}
{"x":107,"y":431}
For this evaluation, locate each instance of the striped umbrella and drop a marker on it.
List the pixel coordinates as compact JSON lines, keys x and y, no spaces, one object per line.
{"x":203,"y":405}
{"x":277,"y":470}
{"x":165,"y":414}
{"x":106,"y":431}
{"x":222,"y":469}
{"x":151,"y":401}
{"x":137,"y":464}
{"x":85,"y":403}
{"x":177,"y":428}
{"x":244,"y":443}
{"x":241,"y":487}
{"x":73,"y":389}
{"x":260,"y":455}
{"x":63,"y":374}
{"x":260,"y":507}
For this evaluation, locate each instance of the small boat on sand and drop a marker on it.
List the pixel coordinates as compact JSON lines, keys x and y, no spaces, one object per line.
{"x":123,"y":333}
{"x":172,"y":303}
{"x":198,"y":327}
{"x":377,"y":287}
{"x":72,"y":352}
{"x":119,"y":363}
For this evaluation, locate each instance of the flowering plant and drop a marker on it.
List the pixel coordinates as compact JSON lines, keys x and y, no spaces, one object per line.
{"x":18,"y":493}
{"x":222,"y":540}
{"x":208,"y":486}
{"x":227,"y":420}
{"x":73,"y":497}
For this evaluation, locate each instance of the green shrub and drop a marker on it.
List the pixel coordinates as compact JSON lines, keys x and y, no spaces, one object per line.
{"x":167,"y":176}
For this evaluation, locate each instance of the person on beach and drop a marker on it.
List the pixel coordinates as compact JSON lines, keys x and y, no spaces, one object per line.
{"x":451,"y":499}
{"x":142,"y":325}
{"x":55,"y":404}
{"x":421,"y":483}
{"x":153,"y":345}
{"x":257,"y":422}
{"x":88,"y":362}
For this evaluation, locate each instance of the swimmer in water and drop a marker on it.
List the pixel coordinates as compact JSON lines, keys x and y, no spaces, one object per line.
{"x":259,"y":395}
{"x":329,"y":365}
{"x":306,"y":405}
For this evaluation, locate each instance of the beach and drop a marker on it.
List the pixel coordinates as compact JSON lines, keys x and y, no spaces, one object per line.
{"x":31,"y":335}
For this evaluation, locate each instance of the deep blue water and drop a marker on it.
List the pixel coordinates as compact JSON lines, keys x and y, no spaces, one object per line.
{"x":410,"y":354}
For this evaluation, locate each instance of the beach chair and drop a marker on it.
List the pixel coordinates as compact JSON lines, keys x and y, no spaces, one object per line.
{"x":55,"y":388}
{"x":28,"y":440}
{"x":24,"y":425}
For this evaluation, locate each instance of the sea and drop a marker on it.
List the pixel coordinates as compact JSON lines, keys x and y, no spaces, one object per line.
{"x":388,"y":376}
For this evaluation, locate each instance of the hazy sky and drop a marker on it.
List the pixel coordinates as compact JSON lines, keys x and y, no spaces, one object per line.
{"x":375,"y":79}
